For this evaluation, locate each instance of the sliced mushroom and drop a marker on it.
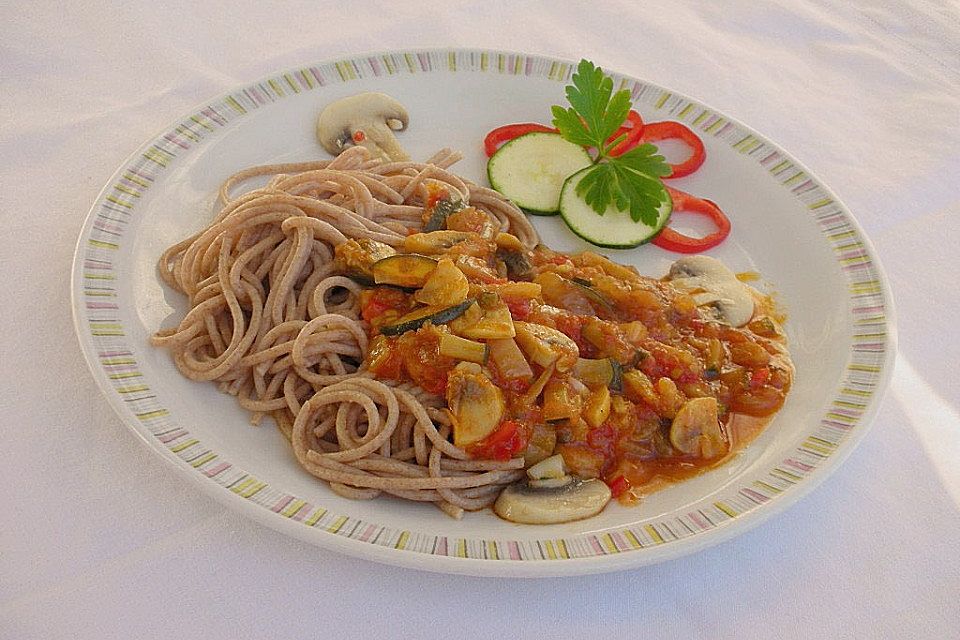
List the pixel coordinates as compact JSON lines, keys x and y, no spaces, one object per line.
{"x":549,"y":496}
{"x":365,"y":119}
{"x":476,"y":403}
{"x":446,"y":285}
{"x":573,"y":499}
{"x":696,"y":431}
{"x":545,"y":345}
{"x":710,"y":282}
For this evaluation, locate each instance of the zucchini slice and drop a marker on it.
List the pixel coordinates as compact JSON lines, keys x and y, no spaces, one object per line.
{"x":419,"y":317}
{"x":441,"y":211}
{"x":599,"y":300}
{"x":355,"y":258}
{"x":530,"y":170}
{"x":403,"y":270}
{"x":604,"y":372}
{"x":615,"y":229}
{"x":435,"y":242}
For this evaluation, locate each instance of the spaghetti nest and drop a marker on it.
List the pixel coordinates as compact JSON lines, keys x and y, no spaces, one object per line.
{"x":273,"y":324}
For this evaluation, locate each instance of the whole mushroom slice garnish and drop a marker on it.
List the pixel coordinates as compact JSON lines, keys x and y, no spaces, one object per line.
{"x":550,"y":496}
{"x":366,"y":119}
{"x":711,"y":283}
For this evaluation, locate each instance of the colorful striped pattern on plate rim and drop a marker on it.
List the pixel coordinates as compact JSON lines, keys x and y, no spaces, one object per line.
{"x":99,"y":312}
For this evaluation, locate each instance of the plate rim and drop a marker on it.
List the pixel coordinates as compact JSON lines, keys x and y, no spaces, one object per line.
{"x":510,"y":567}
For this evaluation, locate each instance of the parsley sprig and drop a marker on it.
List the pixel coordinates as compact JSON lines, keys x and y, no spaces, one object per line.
{"x":631,"y":181}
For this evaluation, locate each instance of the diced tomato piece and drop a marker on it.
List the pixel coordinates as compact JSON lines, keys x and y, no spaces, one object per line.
{"x":652,"y":368}
{"x":759,"y":377}
{"x":528,"y":414}
{"x":670,"y":362}
{"x":420,"y":351}
{"x":384,"y":359}
{"x":618,"y":486}
{"x":572,"y":327}
{"x":603,"y":439}
{"x":514,"y":385}
{"x":520,"y":308}
{"x":435,"y":193}
{"x":509,"y":440}
{"x":374,"y":303}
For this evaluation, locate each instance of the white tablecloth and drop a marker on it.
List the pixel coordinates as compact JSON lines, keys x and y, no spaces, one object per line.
{"x":875,"y":552}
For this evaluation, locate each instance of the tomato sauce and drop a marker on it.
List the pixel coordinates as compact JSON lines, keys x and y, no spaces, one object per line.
{"x":660,"y":352}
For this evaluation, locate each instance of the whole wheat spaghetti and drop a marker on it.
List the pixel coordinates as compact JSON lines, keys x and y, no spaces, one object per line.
{"x":273,"y":324}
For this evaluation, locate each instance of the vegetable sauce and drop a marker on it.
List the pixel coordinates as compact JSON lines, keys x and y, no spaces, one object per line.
{"x":638,"y":381}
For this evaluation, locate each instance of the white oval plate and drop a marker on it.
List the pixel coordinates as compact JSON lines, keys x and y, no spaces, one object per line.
{"x":786,"y":225}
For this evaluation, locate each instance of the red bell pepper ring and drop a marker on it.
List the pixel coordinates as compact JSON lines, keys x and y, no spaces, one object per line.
{"x":672,"y":240}
{"x":668,"y":130}
{"x":633,"y":135}
{"x":508,"y":132}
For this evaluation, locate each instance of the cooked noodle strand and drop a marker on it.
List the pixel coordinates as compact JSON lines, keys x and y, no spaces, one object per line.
{"x":272,"y":323}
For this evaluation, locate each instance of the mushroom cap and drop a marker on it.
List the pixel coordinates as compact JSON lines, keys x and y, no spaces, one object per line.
{"x":574,"y":500}
{"x":475,"y":402}
{"x":717,"y":285}
{"x":377,"y":114}
{"x":696,"y":429}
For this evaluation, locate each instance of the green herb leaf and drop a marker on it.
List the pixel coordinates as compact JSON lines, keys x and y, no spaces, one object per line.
{"x":629,"y":182}
{"x":639,"y":194}
{"x":646,"y":160}
{"x":597,"y":187}
{"x":612,"y":183}
{"x":616,"y":113}
{"x":595,"y":112}
{"x":571,"y":127}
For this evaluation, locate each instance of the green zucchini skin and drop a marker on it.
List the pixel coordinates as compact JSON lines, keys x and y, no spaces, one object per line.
{"x":595,"y":296}
{"x":612,"y":230}
{"x":440,"y":317}
{"x":403,"y":270}
{"x":616,"y":380}
{"x":441,"y":211}
{"x":542,"y":214}
{"x":606,"y":371}
{"x":530,"y":170}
